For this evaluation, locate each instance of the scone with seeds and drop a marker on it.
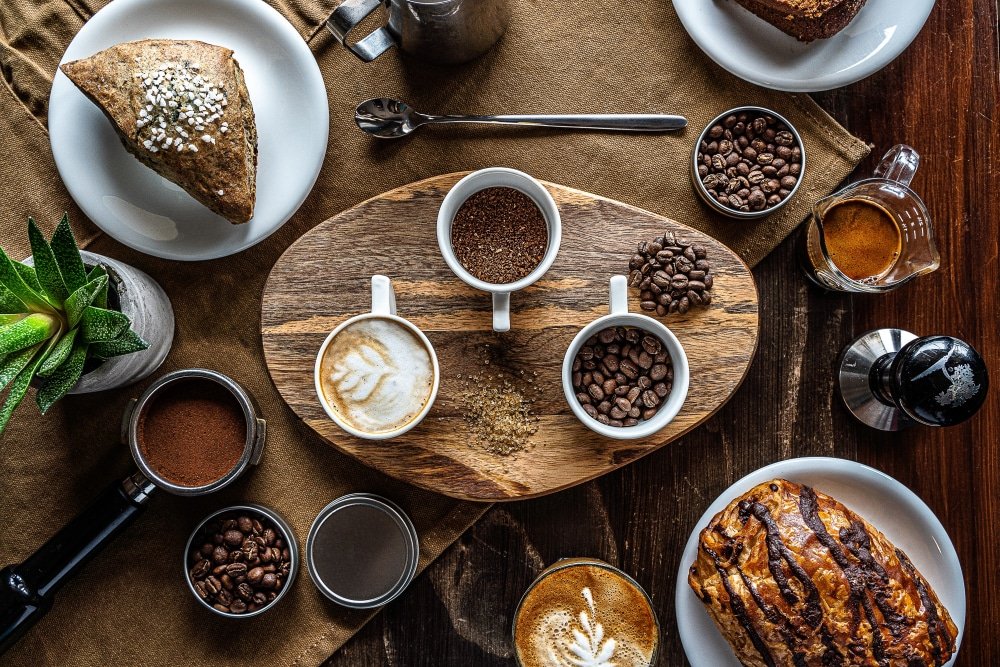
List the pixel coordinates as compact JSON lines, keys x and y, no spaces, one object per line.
{"x":181,"y":107}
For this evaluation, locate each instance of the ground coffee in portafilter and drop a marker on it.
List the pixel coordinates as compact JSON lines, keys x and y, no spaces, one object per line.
{"x":499,"y":235}
{"x":193,"y":433}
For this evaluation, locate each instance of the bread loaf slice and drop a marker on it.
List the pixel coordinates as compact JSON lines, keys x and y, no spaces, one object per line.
{"x":181,"y":107}
{"x":806,"y":20}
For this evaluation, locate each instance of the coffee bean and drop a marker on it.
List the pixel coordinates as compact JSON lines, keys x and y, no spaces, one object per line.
{"x":236,"y":569}
{"x":238,"y":607}
{"x":220,"y":554}
{"x":650,"y":399}
{"x":201,"y":569}
{"x":233,"y":537}
{"x":658,"y":372}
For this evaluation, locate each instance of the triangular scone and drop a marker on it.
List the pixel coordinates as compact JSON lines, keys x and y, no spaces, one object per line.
{"x":181,"y":107}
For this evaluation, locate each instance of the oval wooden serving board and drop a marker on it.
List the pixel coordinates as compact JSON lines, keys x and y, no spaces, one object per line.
{"x":324,"y":278}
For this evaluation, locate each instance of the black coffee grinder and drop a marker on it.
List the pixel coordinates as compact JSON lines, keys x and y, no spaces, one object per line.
{"x":890,"y":379}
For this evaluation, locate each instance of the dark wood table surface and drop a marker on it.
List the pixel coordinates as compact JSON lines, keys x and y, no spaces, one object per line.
{"x":942,"y":96}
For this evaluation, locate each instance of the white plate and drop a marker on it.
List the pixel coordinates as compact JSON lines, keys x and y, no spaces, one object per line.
{"x":755,"y":50}
{"x":149,"y":213}
{"x":885,"y":503}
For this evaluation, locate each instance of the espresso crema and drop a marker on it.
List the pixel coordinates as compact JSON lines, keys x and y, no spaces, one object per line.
{"x":585,"y":615}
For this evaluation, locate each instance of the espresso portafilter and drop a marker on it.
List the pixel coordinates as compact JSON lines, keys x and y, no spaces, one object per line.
{"x":890,"y":379}
{"x":28,"y":589}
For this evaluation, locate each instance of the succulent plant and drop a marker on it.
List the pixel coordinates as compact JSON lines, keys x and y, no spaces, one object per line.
{"x":54,"y":318}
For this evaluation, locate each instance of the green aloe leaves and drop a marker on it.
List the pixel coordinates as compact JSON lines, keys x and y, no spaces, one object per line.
{"x":53,"y":318}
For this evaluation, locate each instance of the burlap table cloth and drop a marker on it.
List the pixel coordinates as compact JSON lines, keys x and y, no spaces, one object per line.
{"x":130,"y":606}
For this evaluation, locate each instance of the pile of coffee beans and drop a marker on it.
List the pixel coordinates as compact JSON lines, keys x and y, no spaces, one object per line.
{"x":622,"y":375}
{"x":749,"y":162}
{"x":671,"y":274}
{"x":241,"y":565}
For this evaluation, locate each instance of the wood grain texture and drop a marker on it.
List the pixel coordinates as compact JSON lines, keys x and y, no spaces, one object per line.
{"x":941,"y":96}
{"x":301,"y":305}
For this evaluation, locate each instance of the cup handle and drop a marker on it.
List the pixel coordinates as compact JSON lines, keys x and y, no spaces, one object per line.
{"x":501,"y":311}
{"x":347,"y":15}
{"x":383,"y":296}
{"x":899,"y":164}
{"x":618,"y":297}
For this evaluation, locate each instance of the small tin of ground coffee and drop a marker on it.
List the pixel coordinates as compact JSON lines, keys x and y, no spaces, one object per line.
{"x":267,"y":517}
{"x":362,"y":551}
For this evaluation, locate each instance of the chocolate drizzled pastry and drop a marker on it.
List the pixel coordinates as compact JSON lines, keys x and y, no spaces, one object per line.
{"x":792,"y":577}
{"x":806,"y":20}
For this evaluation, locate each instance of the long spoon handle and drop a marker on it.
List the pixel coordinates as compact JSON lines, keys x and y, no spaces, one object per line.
{"x":641,"y":122}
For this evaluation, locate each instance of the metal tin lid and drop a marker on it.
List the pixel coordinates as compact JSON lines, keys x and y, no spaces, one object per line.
{"x":362,"y":551}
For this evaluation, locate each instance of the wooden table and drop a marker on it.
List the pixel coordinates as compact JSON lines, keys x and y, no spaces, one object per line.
{"x":942,"y":97}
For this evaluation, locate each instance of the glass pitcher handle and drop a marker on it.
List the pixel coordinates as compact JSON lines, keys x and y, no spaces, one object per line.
{"x":899,"y":164}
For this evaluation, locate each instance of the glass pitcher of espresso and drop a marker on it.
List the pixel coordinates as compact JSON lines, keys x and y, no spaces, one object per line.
{"x":874,"y":235}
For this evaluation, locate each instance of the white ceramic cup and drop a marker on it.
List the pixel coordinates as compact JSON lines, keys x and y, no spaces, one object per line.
{"x":383,"y":307}
{"x":507,"y":178}
{"x":620,"y":317}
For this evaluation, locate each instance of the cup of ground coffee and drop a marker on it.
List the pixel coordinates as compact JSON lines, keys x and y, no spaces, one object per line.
{"x":625,"y":375}
{"x":582,"y":611}
{"x":499,"y":232}
{"x":376,"y":375}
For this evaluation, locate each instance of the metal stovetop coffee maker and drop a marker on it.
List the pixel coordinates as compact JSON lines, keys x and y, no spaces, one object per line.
{"x":441,"y":31}
{"x":890,"y":379}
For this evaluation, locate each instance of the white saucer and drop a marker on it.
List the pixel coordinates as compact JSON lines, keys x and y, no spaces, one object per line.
{"x":885,"y":503}
{"x":754,"y":50}
{"x":145,"y":211}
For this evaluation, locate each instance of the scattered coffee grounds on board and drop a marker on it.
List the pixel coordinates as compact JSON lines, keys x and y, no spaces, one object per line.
{"x":622,"y":375}
{"x":193,"y":433}
{"x":671,"y":275}
{"x":499,"y":235}
{"x":749,"y":162}
{"x":241,"y":564}
{"x":497,"y":410}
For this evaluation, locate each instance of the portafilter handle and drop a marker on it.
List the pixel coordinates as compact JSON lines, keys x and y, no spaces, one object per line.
{"x":934,"y":380}
{"x":27,"y":589}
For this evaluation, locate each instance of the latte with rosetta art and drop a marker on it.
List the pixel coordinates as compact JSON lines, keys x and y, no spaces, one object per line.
{"x":585,"y":614}
{"x":377,"y":375}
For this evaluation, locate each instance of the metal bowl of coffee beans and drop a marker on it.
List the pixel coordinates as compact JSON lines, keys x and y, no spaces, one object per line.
{"x":240,"y":561}
{"x":748,"y":163}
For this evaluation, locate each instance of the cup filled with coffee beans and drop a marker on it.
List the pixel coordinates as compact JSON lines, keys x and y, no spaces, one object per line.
{"x":240,"y":560}
{"x":499,"y":232}
{"x":625,"y":375}
{"x":748,"y":162}
{"x":376,"y":374}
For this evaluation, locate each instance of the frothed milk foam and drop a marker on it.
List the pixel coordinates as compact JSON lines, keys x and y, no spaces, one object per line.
{"x":585,"y":615}
{"x":377,"y":375}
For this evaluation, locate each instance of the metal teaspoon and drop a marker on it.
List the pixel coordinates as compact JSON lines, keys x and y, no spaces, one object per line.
{"x":386,"y":118}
